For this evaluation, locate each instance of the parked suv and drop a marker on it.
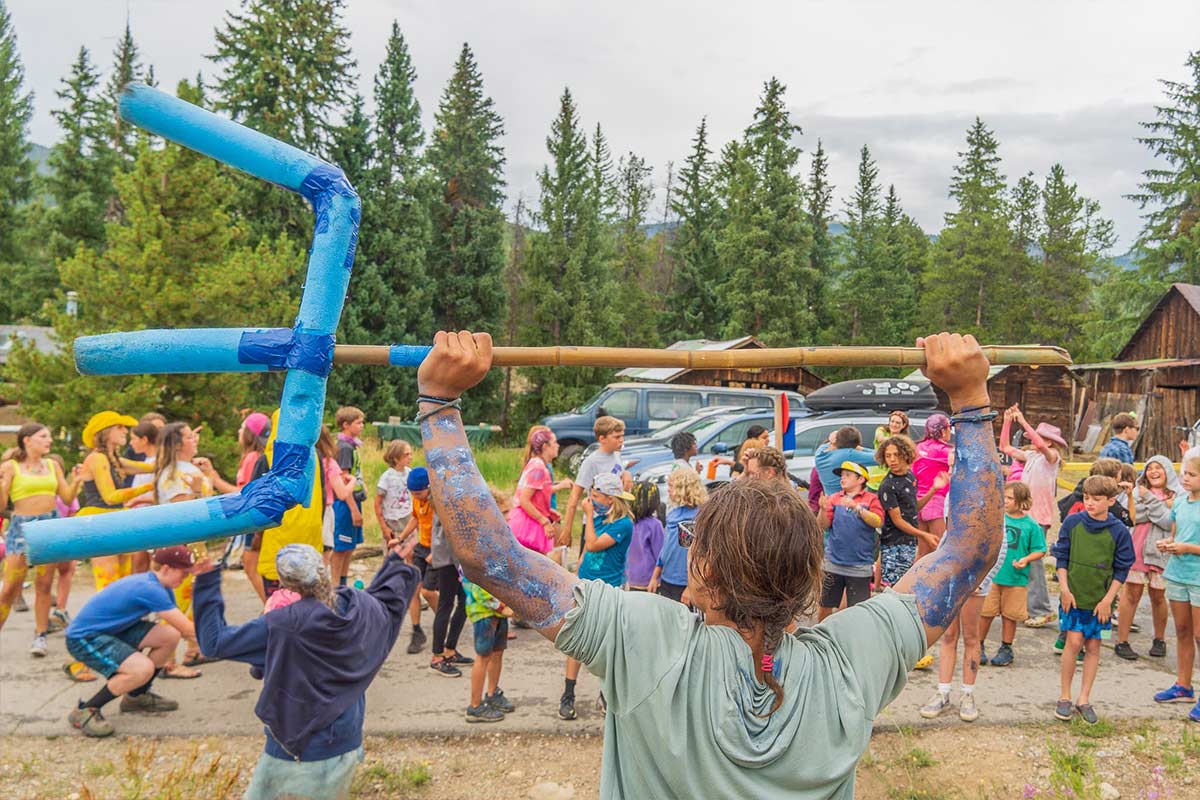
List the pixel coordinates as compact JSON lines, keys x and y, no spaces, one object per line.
{"x":647,"y":407}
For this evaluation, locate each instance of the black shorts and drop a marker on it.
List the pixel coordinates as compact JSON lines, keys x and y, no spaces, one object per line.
{"x":856,"y":589}
{"x":105,"y":652}
{"x":671,"y":591}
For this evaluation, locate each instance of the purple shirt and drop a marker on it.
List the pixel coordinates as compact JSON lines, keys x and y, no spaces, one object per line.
{"x":643,"y":553}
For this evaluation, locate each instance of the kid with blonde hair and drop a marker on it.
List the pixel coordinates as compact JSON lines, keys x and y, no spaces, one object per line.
{"x":670,"y":573}
{"x":1183,"y":584}
{"x":1026,"y":545}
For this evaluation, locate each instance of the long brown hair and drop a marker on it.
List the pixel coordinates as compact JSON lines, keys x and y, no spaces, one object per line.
{"x":101,"y":445}
{"x":23,"y":433}
{"x":170,"y":438}
{"x":761,"y":551}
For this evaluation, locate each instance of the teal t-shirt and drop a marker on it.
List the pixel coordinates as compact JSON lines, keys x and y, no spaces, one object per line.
{"x":688,"y":718}
{"x":1023,"y":536}
{"x":1185,"y":568}
{"x":608,"y":565}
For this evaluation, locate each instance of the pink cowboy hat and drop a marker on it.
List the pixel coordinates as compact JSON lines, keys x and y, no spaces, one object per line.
{"x":1051,"y":432}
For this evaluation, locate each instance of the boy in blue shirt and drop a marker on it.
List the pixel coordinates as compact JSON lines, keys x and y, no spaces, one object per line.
{"x":607,"y":529}
{"x":1093,"y":553}
{"x":1125,"y":432}
{"x":852,"y":517}
{"x":110,"y":632}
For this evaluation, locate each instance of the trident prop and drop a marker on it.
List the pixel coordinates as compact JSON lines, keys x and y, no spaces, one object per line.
{"x":307,"y":351}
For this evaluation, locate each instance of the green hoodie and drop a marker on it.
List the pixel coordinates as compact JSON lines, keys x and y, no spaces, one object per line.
{"x":687,"y":716}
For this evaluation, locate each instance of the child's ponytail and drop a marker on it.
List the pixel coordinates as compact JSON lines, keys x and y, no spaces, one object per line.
{"x":771,"y":640}
{"x":618,"y":509}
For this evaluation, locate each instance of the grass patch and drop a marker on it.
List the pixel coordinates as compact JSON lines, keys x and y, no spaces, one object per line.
{"x":1071,"y":775}
{"x":207,"y":777}
{"x":917,"y":758}
{"x":1101,"y":730}
{"x":380,"y":776}
{"x":899,"y":793}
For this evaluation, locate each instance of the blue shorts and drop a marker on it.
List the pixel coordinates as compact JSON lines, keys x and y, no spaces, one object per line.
{"x":1081,"y":621}
{"x":14,"y":540}
{"x":1183,"y":593}
{"x":346,"y":535}
{"x":104,"y":652}
{"x":491,"y":636}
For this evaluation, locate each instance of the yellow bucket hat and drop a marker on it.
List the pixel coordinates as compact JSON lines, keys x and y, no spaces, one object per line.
{"x":102,"y":420}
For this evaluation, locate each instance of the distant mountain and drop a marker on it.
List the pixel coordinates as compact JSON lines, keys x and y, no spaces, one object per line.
{"x":40,"y":156}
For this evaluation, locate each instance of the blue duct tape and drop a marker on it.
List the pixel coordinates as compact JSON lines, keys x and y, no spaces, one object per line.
{"x":320,"y":187}
{"x":407,"y":355}
{"x":283,"y":348}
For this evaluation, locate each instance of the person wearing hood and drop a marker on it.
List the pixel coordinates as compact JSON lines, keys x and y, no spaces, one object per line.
{"x":728,"y":704}
{"x":1156,"y":489}
{"x":316,"y":657}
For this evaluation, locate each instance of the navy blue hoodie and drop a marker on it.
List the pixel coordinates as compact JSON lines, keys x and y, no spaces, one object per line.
{"x":316,"y":664}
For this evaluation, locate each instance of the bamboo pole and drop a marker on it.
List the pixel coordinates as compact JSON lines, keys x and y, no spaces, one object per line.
{"x":756,"y":358}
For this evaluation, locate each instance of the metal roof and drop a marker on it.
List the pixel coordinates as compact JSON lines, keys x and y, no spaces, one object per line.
{"x":668,"y":374}
{"x":41,"y":338}
{"x":1148,"y":363}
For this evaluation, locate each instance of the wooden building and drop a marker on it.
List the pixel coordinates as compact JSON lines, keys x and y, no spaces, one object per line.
{"x":1156,"y":375}
{"x":796,"y":379}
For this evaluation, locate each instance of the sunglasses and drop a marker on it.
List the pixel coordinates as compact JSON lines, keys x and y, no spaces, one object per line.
{"x":687,"y":533}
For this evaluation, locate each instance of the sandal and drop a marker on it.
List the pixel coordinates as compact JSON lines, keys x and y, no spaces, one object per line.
{"x":180,"y":673}
{"x":78,"y":672}
{"x":197,"y":660}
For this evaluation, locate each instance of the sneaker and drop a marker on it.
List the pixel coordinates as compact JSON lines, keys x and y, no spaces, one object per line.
{"x":498,"y":700}
{"x":91,"y":722}
{"x":459,"y":658}
{"x":19,"y":604}
{"x":1064,"y":710}
{"x":1060,"y":643}
{"x":967,"y":711}
{"x":445,"y":668}
{"x":1194,"y":714}
{"x":1133,"y":626}
{"x":417,"y":643}
{"x":61,"y":616}
{"x":54,"y":624}
{"x":1158,"y":648}
{"x":1003,"y":657}
{"x":936,"y":706}
{"x":147,"y":703}
{"x":38,"y":648}
{"x":1088,"y":713}
{"x":924,"y":662}
{"x":1123,"y":650}
{"x":566,"y":707}
{"x":1040,"y":621}
{"x":1176,"y":694}
{"x":484,"y":713}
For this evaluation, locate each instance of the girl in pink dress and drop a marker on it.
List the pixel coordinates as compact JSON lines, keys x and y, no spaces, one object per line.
{"x":533,"y":521}
{"x":935,"y":456}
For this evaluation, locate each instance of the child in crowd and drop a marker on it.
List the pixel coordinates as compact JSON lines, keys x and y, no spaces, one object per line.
{"x":851,"y":516}
{"x":59,"y":616}
{"x":1183,"y":584}
{"x":1043,"y":459}
{"x":347,"y":514}
{"x":647,"y":539}
{"x":337,"y":484}
{"x":898,"y":498}
{"x":110,"y":632}
{"x":1093,"y":554}
{"x":489,"y":617}
{"x":686,"y":494}
{"x":604,"y":460}
{"x":252,"y":436}
{"x":421,"y":521}
{"x":442,"y":574}
{"x":1025,"y":545}
{"x":845,"y":444}
{"x":1157,"y":487}
{"x":393,"y":503}
{"x":607,"y":530}
{"x":1125,"y":432}
{"x":935,"y":457}
{"x":684,"y":448}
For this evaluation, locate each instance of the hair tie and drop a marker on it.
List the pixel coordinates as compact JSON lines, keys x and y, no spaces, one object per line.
{"x":768,"y":663}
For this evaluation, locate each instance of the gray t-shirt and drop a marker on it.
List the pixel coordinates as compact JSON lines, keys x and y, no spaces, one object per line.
{"x":598,"y":463}
{"x":687,"y":717}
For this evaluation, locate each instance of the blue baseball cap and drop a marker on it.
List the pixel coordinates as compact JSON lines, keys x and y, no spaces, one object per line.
{"x":418,"y":479}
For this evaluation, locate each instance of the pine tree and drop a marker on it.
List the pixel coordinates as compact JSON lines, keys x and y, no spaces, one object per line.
{"x":635,"y":257}
{"x":286,"y":70}
{"x":864,"y":278}
{"x":352,"y":148}
{"x":390,"y":294}
{"x":127,"y":68}
{"x":964,"y":287}
{"x":906,"y":257}
{"x":822,"y":255}
{"x":81,"y":164}
{"x":1168,"y":248}
{"x":16,"y":109}
{"x":764,"y":247}
{"x":565,"y":288}
{"x":692,"y":309}
{"x":177,"y":261}
{"x":466,"y":257}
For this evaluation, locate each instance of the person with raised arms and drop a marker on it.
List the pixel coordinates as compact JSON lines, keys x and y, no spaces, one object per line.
{"x":728,"y":704}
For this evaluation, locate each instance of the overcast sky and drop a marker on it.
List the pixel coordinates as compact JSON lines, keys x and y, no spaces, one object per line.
{"x":1057,"y":81}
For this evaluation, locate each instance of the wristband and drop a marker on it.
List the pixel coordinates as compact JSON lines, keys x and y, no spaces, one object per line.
{"x":971,"y":409}
{"x":421,"y":417}
{"x":428,"y":398}
{"x":961,"y":419}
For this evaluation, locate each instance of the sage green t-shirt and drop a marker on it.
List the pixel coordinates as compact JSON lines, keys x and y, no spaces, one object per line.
{"x":684,"y":704}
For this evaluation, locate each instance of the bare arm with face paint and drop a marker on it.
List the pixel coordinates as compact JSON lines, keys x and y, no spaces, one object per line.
{"x":943,"y":580}
{"x":537,"y":589}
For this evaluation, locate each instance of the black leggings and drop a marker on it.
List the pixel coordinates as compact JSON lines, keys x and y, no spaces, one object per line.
{"x":856,"y":589}
{"x":450,"y":598}
{"x":671,"y":591}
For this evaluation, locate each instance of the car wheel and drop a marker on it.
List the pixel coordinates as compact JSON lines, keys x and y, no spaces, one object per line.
{"x":570,"y":458}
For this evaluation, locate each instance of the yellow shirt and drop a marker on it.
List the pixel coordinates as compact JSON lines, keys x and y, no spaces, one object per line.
{"x":299,"y":525}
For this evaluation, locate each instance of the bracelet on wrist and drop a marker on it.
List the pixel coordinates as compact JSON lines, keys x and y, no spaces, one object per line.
{"x":967,"y":419}
{"x":424,"y":415}
{"x":429,"y":398}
